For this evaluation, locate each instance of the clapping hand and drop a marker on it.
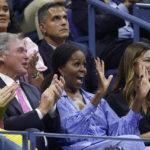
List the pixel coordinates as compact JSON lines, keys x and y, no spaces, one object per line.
{"x":6,"y":95}
{"x":51,"y":94}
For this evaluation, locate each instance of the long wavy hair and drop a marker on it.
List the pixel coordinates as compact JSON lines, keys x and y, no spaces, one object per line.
{"x":125,"y":74}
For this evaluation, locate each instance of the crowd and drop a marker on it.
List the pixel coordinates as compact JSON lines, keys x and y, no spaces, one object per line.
{"x":52,"y":84}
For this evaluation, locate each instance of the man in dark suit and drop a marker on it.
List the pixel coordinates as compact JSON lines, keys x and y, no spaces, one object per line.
{"x":53,"y":23}
{"x":36,"y":109}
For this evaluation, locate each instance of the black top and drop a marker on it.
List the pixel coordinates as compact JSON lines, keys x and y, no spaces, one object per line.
{"x":117,"y":102}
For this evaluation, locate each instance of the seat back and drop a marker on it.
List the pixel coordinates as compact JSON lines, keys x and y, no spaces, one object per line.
{"x":142,"y":11}
{"x":74,"y":33}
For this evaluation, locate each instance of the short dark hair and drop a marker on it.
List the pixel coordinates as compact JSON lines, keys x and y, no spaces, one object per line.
{"x":42,"y":12}
{"x":61,"y":55}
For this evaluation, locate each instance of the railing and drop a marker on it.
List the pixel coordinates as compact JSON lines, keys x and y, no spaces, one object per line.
{"x":24,"y":137}
{"x":32,"y":137}
{"x":142,"y":11}
{"x":76,"y":136}
{"x":116,"y":12}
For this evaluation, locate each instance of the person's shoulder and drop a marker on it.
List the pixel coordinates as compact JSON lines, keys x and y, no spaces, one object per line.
{"x":40,"y":42}
{"x":43,"y":45}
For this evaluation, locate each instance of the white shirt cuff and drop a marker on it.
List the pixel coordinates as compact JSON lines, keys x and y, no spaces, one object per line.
{"x":39,"y":113}
{"x":53,"y":112}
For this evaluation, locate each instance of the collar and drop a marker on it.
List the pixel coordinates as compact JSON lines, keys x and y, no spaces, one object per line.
{"x":7,"y":79}
{"x":52,"y":46}
{"x":87,"y":94}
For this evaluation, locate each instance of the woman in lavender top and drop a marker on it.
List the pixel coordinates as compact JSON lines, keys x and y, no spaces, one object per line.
{"x":89,"y":114}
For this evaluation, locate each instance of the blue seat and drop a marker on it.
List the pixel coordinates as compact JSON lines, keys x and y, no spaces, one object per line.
{"x":142,"y":11}
{"x":74,"y":33}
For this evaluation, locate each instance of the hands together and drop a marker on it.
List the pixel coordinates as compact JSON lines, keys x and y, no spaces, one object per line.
{"x":7,"y":94}
{"x":51,"y":94}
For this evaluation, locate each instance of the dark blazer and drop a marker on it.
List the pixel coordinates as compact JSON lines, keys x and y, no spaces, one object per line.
{"x":46,"y":52}
{"x":15,"y":119}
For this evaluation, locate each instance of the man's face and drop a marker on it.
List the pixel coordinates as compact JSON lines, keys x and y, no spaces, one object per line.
{"x":56,"y":25}
{"x":15,"y":60}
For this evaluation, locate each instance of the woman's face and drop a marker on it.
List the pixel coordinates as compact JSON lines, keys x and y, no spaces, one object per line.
{"x":145,"y":60}
{"x":74,"y":71}
{"x":4,"y":15}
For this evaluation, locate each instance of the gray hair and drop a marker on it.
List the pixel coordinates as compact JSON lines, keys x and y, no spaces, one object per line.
{"x":42,"y":12}
{"x":5,"y":38}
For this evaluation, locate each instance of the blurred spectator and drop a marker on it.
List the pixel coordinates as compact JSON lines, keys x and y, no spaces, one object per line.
{"x":9,"y":23}
{"x":35,"y":64}
{"x":111,"y":38}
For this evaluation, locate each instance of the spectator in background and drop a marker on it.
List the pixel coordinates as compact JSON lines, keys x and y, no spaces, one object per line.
{"x":108,"y":47}
{"x":25,"y":107}
{"x":35,"y":64}
{"x":122,"y":96}
{"x":53,"y":23}
{"x":88,"y":114}
{"x":127,"y":31}
{"x":9,"y":24}
{"x":26,"y":14}
{"x":113,"y":34}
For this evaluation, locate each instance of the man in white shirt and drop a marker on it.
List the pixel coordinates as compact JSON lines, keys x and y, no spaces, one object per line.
{"x":13,"y":64}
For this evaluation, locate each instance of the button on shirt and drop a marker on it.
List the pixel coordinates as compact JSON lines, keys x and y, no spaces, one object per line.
{"x":91,"y":120}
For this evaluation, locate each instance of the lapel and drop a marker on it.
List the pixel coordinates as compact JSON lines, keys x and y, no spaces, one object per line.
{"x":13,"y":102}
